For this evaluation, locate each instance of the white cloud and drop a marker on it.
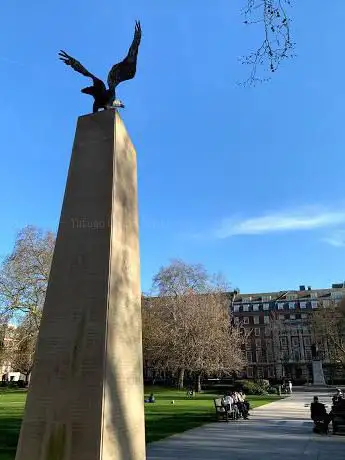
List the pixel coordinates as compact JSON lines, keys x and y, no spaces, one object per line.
{"x":301,"y":219}
{"x":336,"y":239}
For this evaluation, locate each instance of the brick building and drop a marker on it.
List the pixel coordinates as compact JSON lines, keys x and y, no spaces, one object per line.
{"x":280,"y":341}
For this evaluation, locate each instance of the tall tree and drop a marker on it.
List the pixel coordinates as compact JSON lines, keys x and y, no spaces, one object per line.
{"x":329,"y":330}
{"x":188,"y":326}
{"x":179,"y":278}
{"x":24,"y":275}
{"x":24,"y":278}
{"x":20,"y":350}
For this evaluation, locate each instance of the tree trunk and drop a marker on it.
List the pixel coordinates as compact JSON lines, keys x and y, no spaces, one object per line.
{"x":27,"y":378}
{"x":198,"y":383}
{"x":180,"y":379}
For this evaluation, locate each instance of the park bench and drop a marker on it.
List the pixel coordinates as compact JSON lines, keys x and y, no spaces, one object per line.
{"x":222,"y":412}
{"x":338,"y":420}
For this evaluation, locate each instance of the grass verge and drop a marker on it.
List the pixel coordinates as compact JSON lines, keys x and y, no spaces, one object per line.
{"x":162,"y":419}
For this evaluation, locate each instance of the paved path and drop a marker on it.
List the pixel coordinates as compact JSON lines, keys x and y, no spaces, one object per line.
{"x":279,"y":431}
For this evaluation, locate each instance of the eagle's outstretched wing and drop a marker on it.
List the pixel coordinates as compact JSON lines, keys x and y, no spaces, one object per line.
{"x":78,"y":67}
{"x":125,"y":70}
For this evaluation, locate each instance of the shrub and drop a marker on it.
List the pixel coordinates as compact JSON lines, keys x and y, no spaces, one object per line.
{"x":250,"y":387}
{"x":265,"y":384}
{"x":272,"y":390}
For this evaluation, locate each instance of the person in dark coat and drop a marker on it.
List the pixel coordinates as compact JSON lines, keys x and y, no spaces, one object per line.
{"x":319,"y":416}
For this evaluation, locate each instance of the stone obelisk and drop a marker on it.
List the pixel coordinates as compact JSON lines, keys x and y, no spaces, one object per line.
{"x":85,"y":400}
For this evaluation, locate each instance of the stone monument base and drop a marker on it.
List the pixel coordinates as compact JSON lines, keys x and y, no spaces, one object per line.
{"x":318,"y":375}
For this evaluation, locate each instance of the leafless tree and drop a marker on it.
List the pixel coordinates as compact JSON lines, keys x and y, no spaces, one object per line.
{"x":24,"y":276}
{"x":179,"y":278}
{"x":20,"y":349}
{"x":328,"y":325}
{"x":23,"y":282}
{"x":188,"y":327}
{"x":3,"y":327}
{"x":272,"y":17}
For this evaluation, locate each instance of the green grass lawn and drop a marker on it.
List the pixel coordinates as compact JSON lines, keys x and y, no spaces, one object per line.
{"x":162,"y":418}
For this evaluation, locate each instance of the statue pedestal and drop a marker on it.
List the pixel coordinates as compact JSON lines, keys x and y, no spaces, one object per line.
{"x":85,"y":400}
{"x":318,"y":376}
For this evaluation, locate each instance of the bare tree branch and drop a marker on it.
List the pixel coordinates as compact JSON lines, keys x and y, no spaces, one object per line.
{"x":276,"y":45}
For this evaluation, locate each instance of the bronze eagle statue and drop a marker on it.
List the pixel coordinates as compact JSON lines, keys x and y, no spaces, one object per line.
{"x":125,"y":70}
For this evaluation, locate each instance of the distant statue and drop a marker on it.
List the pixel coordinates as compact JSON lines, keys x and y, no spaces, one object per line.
{"x":125,"y":70}
{"x":315,"y":351}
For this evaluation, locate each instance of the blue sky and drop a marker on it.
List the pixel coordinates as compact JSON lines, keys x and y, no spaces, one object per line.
{"x":247,"y":181}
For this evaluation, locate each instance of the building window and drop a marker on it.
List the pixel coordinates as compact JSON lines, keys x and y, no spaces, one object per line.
{"x":246,"y":320}
{"x":266,"y":306}
{"x":236,"y":308}
{"x":303,"y":304}
{"x":266,"y":319}
{"x":295,"y":342}
{"x":281,"y":317}
{"x":256,"y":307}
{"x":256,"y":320}
{"x":258,"y":343}
{"x":304,"y":316}
{"x":307,"y":341}
{"x":283,"y":341}
{"x":250,"y":372}
{"x":337,"y":295}
{"x":236,"y":320}
{"x":280,"y":306}
{"x":249,"y":356}
{"x":291,"y":297}
{"x":291,"y":305}
{"x":257,"y":331}
{"x":245,"y":307}
{"x":260,"y":373}
{"x":267,"y":331}
{"x":314,"y":304}
{"x":270,"y":373}
{"x":292,"y":316}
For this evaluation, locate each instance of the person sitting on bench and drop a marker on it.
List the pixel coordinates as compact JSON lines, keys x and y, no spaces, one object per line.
{"x":241,"y":406}
{"x":151,"y":399}
{"x":338,"y":396}
{"x":319,"y":416}
{"x":227,"y":402}
{"x":245,"y":402}
{"x":338,"y":405}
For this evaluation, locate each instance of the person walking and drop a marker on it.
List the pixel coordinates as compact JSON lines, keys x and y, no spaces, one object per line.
{"x":290,"y":387}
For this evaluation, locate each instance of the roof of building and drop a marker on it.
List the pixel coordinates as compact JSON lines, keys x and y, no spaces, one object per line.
{"x":285,"y":295}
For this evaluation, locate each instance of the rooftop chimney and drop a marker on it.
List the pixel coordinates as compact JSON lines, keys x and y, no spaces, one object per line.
{"x":302,"y":288}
